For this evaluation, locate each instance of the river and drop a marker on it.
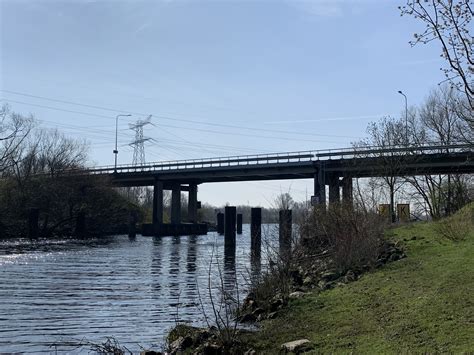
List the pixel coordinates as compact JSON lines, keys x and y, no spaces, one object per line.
{"x":57,"y":294}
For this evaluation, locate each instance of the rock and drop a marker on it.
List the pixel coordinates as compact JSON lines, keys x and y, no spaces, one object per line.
{"x":211,"y":349}
{"x":322,"y":284}
{"x":297,"y":277}
{"x":276,"y":304}
{"x":297,"y":346}
{"x":272,"y":315}
{"x":149,"y":352}
{"x":258,"y":311}
{"x":330,"y":275}
{"x":296,"y":294}
{"x":247,"y":318}
{"x":250,"y":352}
{"x":308,"y":280}
{"x":350,"y":276}
{"x":180,"y":344}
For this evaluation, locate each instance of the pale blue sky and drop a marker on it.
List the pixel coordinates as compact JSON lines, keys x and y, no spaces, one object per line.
{"x":318,"y":71}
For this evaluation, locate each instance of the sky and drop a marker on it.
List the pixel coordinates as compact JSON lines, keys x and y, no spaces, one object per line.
{"x":219,"y":77}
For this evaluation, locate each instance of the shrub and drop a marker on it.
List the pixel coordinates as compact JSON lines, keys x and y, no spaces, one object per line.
{"x":354,"y":237}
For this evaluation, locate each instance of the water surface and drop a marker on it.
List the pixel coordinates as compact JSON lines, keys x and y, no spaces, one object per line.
{"x":53,"y":293}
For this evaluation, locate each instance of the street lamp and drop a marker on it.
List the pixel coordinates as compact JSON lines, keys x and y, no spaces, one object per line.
{"x":116,"y":135}
{"x":406,"y":116}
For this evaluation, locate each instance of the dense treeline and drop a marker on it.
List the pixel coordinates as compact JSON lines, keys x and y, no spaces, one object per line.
{"x":32,"y":161}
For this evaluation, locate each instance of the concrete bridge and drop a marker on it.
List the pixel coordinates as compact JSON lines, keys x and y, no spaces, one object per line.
{"x":334,"y":168}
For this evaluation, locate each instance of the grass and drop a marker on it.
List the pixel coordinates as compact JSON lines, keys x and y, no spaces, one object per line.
{"x":423,"y":303}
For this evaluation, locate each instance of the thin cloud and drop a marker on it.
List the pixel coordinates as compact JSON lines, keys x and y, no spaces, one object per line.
{"x":366,"y":117}
{"x":142,"y":27}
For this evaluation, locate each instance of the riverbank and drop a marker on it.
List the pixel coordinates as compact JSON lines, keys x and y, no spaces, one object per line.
{"x":421,"y":303}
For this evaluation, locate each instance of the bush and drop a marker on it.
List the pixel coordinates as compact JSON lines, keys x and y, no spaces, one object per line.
{"x":459,"y":226}
{"x":352,"y":236}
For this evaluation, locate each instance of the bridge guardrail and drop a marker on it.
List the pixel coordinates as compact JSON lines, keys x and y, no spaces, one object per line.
{"x":275,"y":158}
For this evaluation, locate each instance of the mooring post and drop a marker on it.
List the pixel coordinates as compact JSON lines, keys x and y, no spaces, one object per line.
{"x":132,"y":225}
{"x":239,"y":223}
{"x":229,"y":226}
{"x":176,"y":204}
{"x":285,"y":232}
{"x":33,"y":219}
{"x":220,"y":223}
{"x":157,"y":203}
{"x":255,"y":232}
{"x":81,"y":224}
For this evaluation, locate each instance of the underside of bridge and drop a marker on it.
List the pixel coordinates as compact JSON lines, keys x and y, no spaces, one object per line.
{"x":337,"y":174}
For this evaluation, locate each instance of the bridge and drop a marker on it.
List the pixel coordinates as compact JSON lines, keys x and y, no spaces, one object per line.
{"x":334,"y":168}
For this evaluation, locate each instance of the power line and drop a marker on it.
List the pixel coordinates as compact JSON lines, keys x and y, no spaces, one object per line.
{"x":175,"y":118}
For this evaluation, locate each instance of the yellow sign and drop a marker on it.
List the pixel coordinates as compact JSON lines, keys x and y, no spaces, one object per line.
{"x":403,"y":211}
{"x":384,"y":210}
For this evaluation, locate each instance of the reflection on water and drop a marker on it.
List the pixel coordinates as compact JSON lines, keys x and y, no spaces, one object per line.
{"x":135,"y":290}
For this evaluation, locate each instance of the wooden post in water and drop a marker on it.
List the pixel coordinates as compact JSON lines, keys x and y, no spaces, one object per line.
{"x":220,"y":223}
{"x":33,"y":219}
{"x":132,"y":225}
{"x":255,"y":232}
{"x":229,"y":226}
{"x":239,"y":223}
{"x":285,"y":232}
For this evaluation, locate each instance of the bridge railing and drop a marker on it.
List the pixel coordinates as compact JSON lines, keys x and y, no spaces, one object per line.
{"x":280,"y":158}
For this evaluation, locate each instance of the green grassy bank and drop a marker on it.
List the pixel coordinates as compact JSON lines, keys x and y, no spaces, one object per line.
{"x":423,"y":303}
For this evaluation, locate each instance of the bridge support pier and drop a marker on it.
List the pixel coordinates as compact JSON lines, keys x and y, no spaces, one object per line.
{"x":176,"y":204}
{"x":347,"y":189}
{"x":157,"y":202}
{"x":334,"y":193}
{"x":192,"y":203}
{"x":320,"y":187}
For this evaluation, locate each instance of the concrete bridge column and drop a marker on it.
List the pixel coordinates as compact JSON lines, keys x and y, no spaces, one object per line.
{"x":347,"y":189}
{"x":157,"y":202}
{"x":176,"y":204}
{"x":334,"y":193}
{"x":192,"y":203}
{"x":320,"y":187}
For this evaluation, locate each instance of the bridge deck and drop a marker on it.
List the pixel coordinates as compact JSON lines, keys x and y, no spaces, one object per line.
{"x":371,"y":161}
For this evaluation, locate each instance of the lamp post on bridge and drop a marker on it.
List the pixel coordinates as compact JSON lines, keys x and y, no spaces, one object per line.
{"x":116,"y":138}
{"x":406,"y":116}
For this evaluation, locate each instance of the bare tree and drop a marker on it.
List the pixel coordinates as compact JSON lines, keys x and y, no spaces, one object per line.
{"x":438,"y":121}
{"x":387,"y":133}
{"x":448,"y":22}
{"x":14,"y":129}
